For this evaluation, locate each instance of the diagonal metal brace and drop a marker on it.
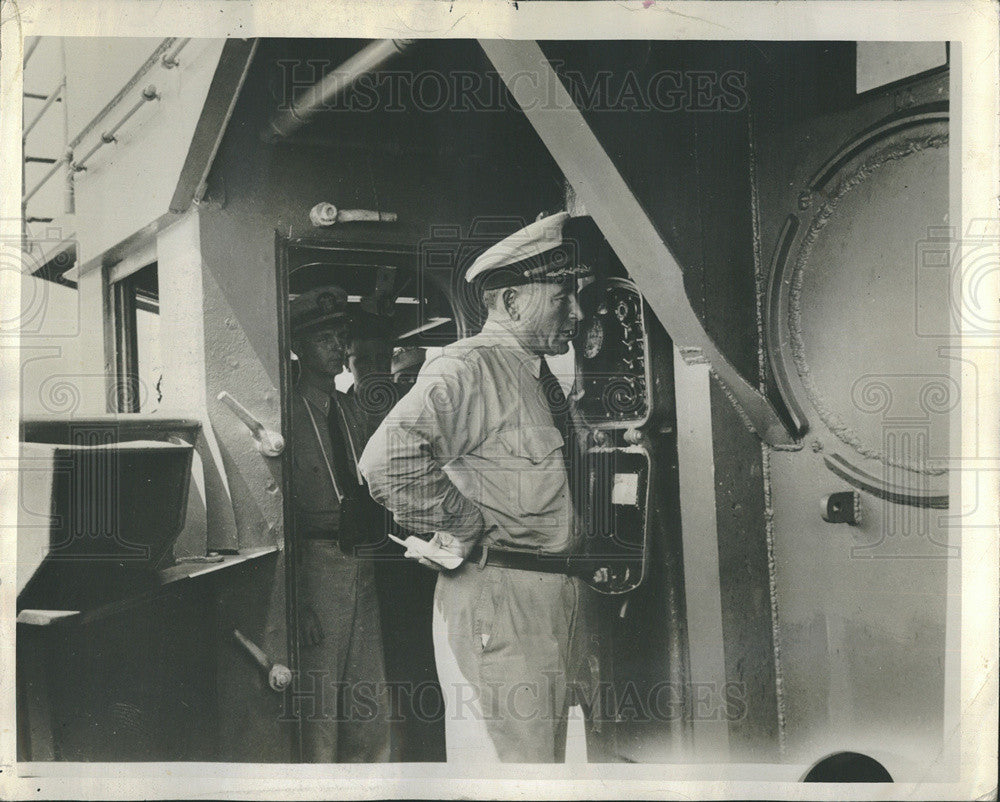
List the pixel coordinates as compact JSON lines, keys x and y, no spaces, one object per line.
{"x":628,"y":229}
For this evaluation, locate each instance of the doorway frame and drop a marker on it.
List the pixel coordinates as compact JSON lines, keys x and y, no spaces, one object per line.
{"x":407,"y":258}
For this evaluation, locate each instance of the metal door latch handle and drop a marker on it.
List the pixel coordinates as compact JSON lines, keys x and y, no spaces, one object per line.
{"x":269,"y":443}
{"x":326,"y":214}
{"x":278,"y":676}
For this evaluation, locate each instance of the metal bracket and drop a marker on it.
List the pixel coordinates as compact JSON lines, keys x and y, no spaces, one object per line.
{"x":692,"y":355}
{"x":169,"y":60}
{"x":842,"y":508}
{"x":633,"y":436}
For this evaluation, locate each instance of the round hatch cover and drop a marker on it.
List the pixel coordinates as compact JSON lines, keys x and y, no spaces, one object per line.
{"x":858,"y":319}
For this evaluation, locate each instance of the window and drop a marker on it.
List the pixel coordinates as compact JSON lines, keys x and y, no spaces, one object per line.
{"x":138,"y":357}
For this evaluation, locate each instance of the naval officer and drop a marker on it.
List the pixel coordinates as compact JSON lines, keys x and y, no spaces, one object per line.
{"x":476,"y":456}
{"x":341,"y":666}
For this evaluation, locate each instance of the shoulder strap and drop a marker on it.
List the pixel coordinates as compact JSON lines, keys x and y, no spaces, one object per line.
{"x":349,"y":437}
{"x":322,"y":450}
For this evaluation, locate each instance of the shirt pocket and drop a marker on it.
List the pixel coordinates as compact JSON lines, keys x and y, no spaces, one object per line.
{"x":534,"y":443}
{"x":532,"y":481}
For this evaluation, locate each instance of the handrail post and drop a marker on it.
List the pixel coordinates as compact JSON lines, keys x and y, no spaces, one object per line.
{"x":70,"y":190}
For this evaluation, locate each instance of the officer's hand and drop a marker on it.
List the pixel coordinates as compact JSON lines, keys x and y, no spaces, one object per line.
{"x":424,"y":561}
{"x":431,"y":553}
{"x":310,"y":630}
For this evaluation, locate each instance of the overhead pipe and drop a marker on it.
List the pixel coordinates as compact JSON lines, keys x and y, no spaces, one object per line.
{"x":322,"y":93}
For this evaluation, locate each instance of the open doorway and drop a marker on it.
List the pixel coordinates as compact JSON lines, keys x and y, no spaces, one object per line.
{"x":395,"y":316}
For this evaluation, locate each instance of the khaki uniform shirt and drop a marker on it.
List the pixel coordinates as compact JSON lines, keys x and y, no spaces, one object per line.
{"x":471,"y":452}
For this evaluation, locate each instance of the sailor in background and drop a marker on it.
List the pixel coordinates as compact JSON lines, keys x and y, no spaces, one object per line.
{"x":368,"y":356}
{"x":476,"y":455}
{"x":403,"y":587}
{"x":340,"y":644}
{"x":406,"y":364}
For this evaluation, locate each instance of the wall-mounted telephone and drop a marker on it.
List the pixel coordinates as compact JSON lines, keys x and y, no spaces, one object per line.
{"x":611,"y":352}
{"x":617,"y":404}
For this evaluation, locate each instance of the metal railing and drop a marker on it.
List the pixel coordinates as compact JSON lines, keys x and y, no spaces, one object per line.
{"x":57,"y":95}
{"x":165,"y":54}
{"x":170,"y":60}
{"x":52,"y":97}
{"x":29,"y":51}
{"x":107,"y":137}
{"x":65,"y":159}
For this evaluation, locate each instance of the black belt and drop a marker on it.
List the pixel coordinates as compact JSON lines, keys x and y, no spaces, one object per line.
{"x":570,"y":564}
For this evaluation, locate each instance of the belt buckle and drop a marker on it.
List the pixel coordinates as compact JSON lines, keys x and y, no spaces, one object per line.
{"x":483,"y":557}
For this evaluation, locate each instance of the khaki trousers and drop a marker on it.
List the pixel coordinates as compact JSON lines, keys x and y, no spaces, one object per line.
{"x":509,"y":645}
{"x":341,"y":684}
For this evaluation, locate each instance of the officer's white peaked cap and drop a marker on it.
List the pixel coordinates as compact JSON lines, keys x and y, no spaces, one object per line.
{"x":526,"y":246}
